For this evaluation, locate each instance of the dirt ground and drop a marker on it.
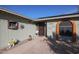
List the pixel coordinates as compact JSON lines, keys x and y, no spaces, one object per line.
{"x":35,"y":46}
{"x":43,"y":45}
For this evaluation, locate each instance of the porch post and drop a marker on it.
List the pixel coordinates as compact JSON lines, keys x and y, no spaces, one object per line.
{"x":57,"y":30}
{"x":74,"y":31}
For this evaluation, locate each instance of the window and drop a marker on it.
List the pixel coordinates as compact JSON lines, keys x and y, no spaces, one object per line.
{"x":66,"y":28}
{"x":13,"y":25}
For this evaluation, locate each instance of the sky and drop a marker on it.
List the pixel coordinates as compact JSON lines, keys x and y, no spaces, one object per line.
{"x":36,"y":11}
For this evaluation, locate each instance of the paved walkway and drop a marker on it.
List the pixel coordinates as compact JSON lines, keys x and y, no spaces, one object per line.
{"x":35,"y":46}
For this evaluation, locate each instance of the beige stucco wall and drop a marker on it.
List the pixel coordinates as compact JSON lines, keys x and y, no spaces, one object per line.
{"x":51,"y":28}
{"x":77,"y":29}
{"x":20,"y":34}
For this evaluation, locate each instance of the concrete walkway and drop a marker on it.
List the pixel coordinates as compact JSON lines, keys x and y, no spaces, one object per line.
{"x":35,"y":46}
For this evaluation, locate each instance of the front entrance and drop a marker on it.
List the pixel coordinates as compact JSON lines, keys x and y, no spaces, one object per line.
{"x":42,"y":28}
{"x":66,"y":30}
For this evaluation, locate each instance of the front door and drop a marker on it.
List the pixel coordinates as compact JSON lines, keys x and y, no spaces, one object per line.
{"x":42,"y":29}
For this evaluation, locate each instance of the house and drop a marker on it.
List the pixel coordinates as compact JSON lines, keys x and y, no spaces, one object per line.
{"x":15,"y":26}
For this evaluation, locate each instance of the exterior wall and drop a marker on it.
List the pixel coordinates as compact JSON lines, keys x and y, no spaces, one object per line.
{"x":77,"y":29}
{"x":19,"y":34}
{"x":51,"y":28}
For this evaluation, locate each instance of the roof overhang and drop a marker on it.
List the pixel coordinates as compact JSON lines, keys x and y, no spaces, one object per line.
{"x":15,"y":14}
{"x":58,"y":18}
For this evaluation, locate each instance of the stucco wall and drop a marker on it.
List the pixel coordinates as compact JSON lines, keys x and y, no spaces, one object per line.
{"x":77,"y":29}
{"x":51,"y":28}
{"x":19,"y":34}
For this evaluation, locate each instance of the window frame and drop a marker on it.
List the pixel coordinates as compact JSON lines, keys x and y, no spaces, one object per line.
{"x":15,"y":27}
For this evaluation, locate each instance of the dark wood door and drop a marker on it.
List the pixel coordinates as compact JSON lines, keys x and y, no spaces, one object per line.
{"x":41,"y":30}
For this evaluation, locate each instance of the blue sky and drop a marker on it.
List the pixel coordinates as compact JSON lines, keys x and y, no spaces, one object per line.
{"x":36,"y":11}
